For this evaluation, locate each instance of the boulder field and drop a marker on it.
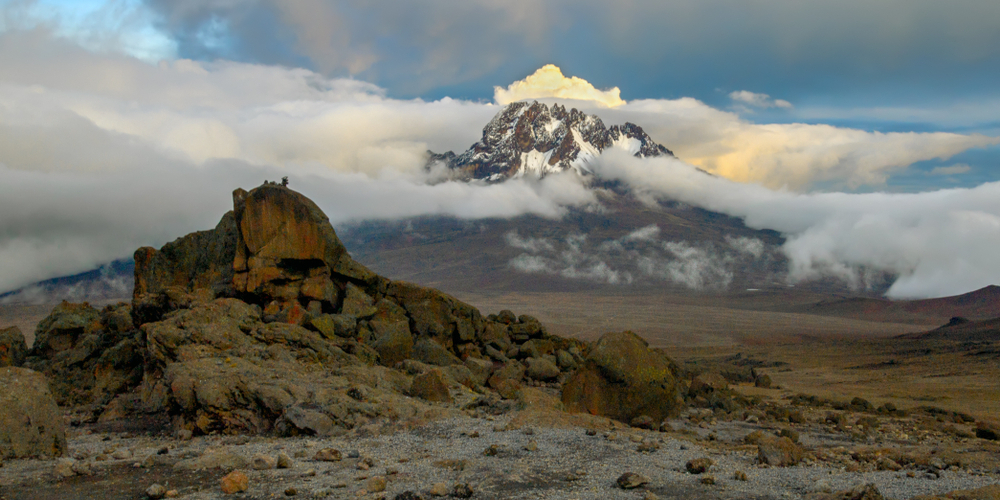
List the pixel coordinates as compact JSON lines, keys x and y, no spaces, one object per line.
{"x":266,"y":324}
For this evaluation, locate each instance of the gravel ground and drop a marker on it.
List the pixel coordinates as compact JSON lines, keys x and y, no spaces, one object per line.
{"x":567,"y":464}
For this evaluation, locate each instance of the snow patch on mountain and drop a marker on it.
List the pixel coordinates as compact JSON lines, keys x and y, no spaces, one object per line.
{"x":535,"y":139}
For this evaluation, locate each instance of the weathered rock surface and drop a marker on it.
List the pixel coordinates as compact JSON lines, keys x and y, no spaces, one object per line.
{"x":88,"y":356}
{"x":13,"y":348}
{"x":190,"y":270}
{"x":31,"y":424}
{"x":622,"y":378}
{"x":431,"y":386}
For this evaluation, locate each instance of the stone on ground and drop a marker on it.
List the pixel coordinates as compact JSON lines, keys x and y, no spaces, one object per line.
{"x":622,"y":378}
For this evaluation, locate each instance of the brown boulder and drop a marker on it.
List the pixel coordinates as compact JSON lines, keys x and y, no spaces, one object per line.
{"x":431,"y":352}
{"x":778,"y":452}
{"x":332,"y":326}
{"x":495,"y":335}
{"x":707,"y":383}
{"x":393,"y":341}
{"x":358,"y":303}
{"x":622,"y":378}
{"x":31,"y":424}
{"x":542,"y":369}
{"x":431,"y":386}
{"x":13,"y":348}
{"x":234,"y":482}
{"x":506,"y":380}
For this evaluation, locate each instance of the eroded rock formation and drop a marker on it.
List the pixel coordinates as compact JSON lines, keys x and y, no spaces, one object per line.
{"x":266,"y":324}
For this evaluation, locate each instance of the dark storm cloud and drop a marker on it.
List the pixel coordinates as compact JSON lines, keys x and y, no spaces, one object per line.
{"x":904,"y":50}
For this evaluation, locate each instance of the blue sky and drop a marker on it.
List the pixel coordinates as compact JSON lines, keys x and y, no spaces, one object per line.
{"x":867,"y":132}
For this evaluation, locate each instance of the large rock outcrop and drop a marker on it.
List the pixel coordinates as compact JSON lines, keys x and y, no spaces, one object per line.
{"x":266,"y":324}
{"x":287,"y":252}
{"x":622,"y":378}
{"x":30,"y":422}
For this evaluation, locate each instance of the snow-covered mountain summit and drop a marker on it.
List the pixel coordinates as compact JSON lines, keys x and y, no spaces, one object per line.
{"x":536,"y":139}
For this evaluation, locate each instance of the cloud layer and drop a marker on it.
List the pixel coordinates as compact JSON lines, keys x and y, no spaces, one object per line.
{"x":643,"y":257}
{"x":938,"y":243}
{"x":103,"y":153}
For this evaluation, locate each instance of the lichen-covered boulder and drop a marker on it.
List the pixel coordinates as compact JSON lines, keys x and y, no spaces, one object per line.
{"x":31,"y":424}
{"x":437,"y":314}
{"x":13,"y":348}
{"x":622,"y":378}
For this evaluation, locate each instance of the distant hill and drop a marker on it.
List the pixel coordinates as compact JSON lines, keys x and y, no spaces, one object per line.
{"x":968,"y":331}
{"x":113,"y":280}
{"x":978,"y":305}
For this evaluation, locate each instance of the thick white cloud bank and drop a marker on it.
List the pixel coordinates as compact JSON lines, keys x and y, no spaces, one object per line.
{"x":939,"y":243}
{"x":101,"y":154}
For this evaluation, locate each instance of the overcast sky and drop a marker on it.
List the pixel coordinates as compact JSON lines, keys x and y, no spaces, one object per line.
{"x":127,"y":123}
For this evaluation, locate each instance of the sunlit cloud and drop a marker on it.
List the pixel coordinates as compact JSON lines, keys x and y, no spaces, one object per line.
{"x":549,"y":82}
{"x":755,"y":100}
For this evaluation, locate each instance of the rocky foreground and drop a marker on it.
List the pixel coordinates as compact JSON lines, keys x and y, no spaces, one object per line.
{"x":260,"y":360}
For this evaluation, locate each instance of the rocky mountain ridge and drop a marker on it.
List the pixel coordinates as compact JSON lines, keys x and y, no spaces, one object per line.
{"x":538,"y":139}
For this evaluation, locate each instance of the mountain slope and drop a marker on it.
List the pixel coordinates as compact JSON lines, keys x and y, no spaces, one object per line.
{"x":536,"y":139}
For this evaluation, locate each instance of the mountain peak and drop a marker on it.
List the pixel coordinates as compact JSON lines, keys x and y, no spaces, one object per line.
{"x":538,"y":139}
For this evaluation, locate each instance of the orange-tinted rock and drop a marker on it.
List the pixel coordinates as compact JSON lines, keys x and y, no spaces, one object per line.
{"x":778,"y":452}
{"x":707,"y":383}
{"x":286,"y":250}
{"x":437,"y":314}
{"x":197,"y":267}
{"x":234,"y":482}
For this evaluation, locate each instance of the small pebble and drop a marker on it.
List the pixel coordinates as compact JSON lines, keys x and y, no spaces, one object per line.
{"x":156,"y":491}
